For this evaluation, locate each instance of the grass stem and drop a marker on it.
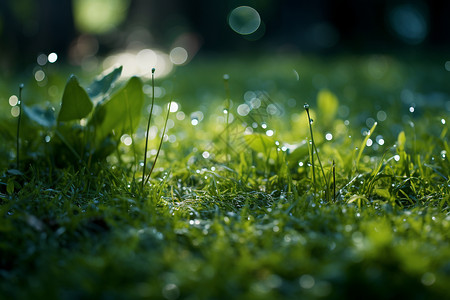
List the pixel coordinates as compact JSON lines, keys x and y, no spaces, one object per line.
{"x":226,"y":77}
{"x":148,"y":127}
{"x":160,"y":144}
{"x":18,"y":127}
{"x":310,"y":121}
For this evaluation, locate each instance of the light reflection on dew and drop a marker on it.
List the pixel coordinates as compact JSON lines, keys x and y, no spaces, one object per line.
{"x":307,"y":281}
{"x":47,"y":138}
{"x":263,"y":125}
{"x":300,"y":164}
{"x":380,"y":140}
{"x":178,"y":55}
{"x":39,"y":75}
{"x":194,"y":121}
{"x":170,"y":123}
{"x":180,"y":116}
{"x":244,"y":20}
{"x":428,"y":279}
{"x":172,"y":138}
{"x":269,"y":132}
{"x":396,"y":157}
{"x":381,"y":116}
{"x":41,"y":59}
{"x":292,"y":102}
{"x":249,"y":95}
{"x":328,"y":136}
{"x":411,"y":109}
{"x":243,"y":110}
{"x":443,"y":121}
{"x":369,"y":143}
{"x":205,"y":154}
{"x":15,"y":111}
{"x":255,"y":103}
{"x":52,"y":57}
{"x":13,"y":100}
{"x":370,"y":122}
{"x":126,"y":139}
{"x":272,"y":109}
{"x":173,"y":107}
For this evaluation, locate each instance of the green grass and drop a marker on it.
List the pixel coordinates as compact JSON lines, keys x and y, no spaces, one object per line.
{"x":233,"y":215}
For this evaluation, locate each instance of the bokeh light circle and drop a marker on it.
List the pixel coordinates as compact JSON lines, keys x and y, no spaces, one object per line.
{"x":244,"y":20}
{"x":178,"y":55}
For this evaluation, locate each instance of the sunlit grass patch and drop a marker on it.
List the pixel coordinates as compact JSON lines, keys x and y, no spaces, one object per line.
{"x":232,"y":208}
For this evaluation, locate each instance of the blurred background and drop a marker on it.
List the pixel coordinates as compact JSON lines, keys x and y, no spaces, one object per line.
{"x":99,"y":33}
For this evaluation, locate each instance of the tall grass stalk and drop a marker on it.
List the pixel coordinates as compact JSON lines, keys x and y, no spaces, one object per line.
{"x":315,"y":150}
{"x":226,"y":77}
{"x":364,"y":143}
{"x":18,"y":127}
{"x":334,"y":181}
{"x":148,"y":127}
{"x":311,"y":148}
{"x":160,"y":144}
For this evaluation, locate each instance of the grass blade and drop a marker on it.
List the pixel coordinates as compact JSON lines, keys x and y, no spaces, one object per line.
{"x":364,"y":143}
{"x":160,"y":144}
{"x":148,"y":126}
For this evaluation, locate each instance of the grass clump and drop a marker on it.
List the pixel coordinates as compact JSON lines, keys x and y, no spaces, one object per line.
{"x":234,"y":208}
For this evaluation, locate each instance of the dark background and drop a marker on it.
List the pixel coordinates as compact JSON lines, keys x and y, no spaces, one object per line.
{"x":30,"y":27}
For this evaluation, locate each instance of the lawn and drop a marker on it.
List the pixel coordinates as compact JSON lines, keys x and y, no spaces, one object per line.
{"x":278,"y":177}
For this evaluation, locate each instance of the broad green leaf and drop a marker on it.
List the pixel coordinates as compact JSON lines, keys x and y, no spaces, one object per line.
{"x":327,"y":103}
{"x":44,"y":117}
{"x":259,"y":142}
{"x":122,"y":112}
{"x":76,"y":103}
{"x":401,"y":140}
{"x":104,"y":83}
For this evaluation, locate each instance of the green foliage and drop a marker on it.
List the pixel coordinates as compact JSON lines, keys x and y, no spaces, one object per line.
{"x":75,"y":103}
{"x":121,"y":113}
{"x":88,"y":125}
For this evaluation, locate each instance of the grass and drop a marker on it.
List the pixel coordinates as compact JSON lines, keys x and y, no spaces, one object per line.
{"x":239,"y":220}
